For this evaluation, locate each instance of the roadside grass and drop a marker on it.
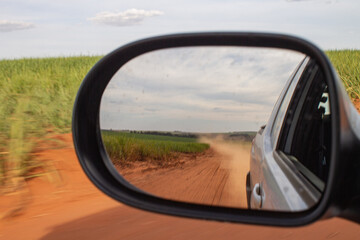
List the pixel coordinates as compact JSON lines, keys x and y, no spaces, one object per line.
{"x":123,"y":147}
{"x":347,"y":64}
{"x":36,"y":97}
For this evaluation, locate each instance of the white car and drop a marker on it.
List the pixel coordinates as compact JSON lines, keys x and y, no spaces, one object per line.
{"x":290,"y":156}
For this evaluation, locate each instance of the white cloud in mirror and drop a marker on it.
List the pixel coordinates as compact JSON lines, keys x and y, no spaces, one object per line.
{"x":197,"y":89}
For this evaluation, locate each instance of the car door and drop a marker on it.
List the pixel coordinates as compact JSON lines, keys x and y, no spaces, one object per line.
{"x":263,"y":147}
{"x":303,"y":148}
{"x":290,"y":153}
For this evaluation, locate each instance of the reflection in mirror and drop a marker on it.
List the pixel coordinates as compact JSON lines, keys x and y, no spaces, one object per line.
{"x":181,"y":123}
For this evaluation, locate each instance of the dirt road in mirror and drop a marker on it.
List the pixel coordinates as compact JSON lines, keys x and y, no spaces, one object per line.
{"x":214,"y":177}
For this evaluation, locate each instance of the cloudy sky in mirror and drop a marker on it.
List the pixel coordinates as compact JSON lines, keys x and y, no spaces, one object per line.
{"x":42,"y":28}
{"x":197,"y":89}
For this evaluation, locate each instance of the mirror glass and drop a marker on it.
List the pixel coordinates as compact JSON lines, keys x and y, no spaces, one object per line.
{"x":222,"y":126}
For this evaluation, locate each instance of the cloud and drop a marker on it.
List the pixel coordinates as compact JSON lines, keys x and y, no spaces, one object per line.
{"x":233,"y":88}
{"x":127,"y":18}
{"x":9,"y":26}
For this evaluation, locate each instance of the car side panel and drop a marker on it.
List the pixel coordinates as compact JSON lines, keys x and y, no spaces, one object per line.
{"x":275,"y":189}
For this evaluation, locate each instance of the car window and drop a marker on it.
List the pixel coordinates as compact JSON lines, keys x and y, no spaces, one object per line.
{"x":278,"y":122}
{"x":306,"y":133}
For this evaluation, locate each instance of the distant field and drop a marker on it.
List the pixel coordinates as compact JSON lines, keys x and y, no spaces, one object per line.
{"x":242,"y":136}
{"x":124,"y":147}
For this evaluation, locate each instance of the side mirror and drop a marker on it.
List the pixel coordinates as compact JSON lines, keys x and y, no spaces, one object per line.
{"x":241,"y":127}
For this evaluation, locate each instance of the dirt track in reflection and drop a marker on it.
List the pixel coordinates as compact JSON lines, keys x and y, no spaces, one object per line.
{"x":215,"y":177}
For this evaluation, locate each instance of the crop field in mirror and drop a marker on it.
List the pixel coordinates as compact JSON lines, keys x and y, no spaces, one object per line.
{"x":156,"y":147}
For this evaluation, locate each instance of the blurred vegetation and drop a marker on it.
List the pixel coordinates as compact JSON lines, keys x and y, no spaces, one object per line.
{"x":36,"y":96}
{"x":347,"y":64}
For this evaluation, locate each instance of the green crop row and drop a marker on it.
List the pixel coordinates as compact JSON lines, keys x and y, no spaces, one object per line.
{"x":123,"y":148}
{"x":155,"y":136}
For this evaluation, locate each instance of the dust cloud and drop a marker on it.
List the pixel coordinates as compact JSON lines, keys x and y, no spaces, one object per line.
{"x":234,"y":157}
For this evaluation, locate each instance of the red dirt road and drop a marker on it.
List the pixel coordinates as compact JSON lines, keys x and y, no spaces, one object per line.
{"x":215,"y":177}
{"x":77,"y":210}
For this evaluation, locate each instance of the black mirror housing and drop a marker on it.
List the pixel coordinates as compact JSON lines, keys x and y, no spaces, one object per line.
{"x":342,"y":192}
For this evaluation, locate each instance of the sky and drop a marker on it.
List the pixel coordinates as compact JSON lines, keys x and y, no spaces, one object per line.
{"x":197,"y":89}
{"x":39,"y":28}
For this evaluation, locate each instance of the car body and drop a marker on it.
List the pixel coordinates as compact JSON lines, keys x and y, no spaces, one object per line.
{"x":285,"y":174}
